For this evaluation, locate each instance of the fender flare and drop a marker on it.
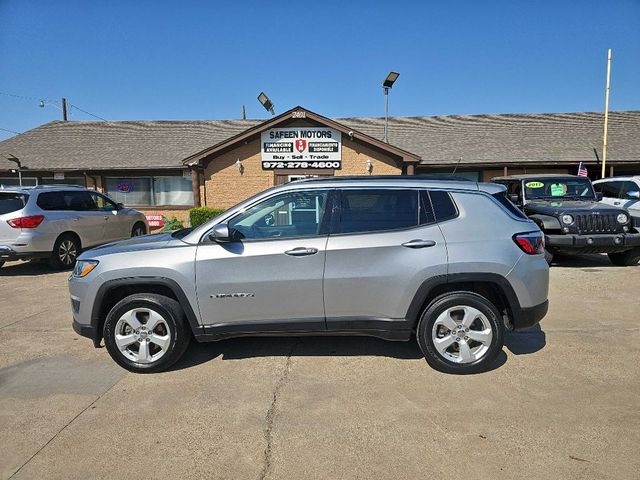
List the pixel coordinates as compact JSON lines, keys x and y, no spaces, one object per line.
{"x":415,"y":307}
{"x":546,"y":222}
{"x":109,"y":285}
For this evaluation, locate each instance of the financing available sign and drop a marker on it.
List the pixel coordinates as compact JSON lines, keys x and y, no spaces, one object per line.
{"x":301,"y":148}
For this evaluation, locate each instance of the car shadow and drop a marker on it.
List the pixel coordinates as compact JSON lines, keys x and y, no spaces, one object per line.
{"x":527,"y":341}
{"x":581,"y":261}
{"x":252,"y":347}
{"x":26,"y":269}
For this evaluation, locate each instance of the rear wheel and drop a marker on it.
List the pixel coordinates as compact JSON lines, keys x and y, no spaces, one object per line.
{"x":146,"y":333}
{"x":625,"y":259}
{"x":65,"y":252}
{"x":138,"y":230}
{"x":460,"y":332}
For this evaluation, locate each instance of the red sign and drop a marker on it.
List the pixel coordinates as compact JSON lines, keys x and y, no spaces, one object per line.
{"x":301,"y":145}
{"x":155,"y":220}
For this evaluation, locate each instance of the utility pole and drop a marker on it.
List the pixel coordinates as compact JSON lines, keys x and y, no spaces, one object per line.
{"x":606,"y":116}
{"x":244,"y":113}
{"x":386,"y":114}
{"x":64,"y":109}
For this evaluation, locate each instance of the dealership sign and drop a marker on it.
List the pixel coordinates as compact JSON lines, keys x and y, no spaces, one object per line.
{"x":155,"y":221}
{"x":300,"y":148}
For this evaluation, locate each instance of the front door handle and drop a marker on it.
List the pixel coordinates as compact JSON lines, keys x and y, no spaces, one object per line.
{"x":419,"y":243}
{"x":617,"y":203}
{"x":301,"y":252}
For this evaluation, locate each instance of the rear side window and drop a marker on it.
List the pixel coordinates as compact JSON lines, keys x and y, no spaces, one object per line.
{"x":502,"y":199}
{"x":377,"y":210}
{"x":77,"y":201}
{"x":12,"y":202}
{"x":443,"y":206}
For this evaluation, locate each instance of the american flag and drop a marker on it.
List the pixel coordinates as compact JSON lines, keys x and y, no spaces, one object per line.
{"x":582,"y":170}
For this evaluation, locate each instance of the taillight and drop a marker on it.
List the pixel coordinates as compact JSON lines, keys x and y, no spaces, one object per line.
{"x":26,"y":222}
{"x":530,"y":242}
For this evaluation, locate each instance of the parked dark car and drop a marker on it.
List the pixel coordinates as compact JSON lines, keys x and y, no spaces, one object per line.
{"x":569,"y":212}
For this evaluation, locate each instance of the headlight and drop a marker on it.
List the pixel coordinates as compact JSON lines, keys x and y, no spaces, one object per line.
{"x":84,"y":268}
{"x":622,"y":218}
{"x":567,"y":219}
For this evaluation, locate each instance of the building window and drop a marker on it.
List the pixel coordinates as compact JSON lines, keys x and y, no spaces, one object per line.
{"x":66,"y":181}
{"x":150,"y":191}
{"x":14,"y":181}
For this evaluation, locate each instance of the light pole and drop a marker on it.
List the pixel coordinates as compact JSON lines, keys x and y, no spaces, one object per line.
{"x":266,"y":103}
{"x":14,"y":159}
{"x":386,"y":85}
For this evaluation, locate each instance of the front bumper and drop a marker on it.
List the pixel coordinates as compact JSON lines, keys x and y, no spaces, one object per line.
{"x":610,"y":242}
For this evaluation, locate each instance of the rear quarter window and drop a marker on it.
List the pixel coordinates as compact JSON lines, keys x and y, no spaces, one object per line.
{"x":12,"y":202}
{"x":443,"y":206}
{"x":502,"y":199}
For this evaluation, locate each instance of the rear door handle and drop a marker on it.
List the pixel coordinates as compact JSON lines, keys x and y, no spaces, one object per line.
{"x":419,"y":243}
{"x":617,"y":203}
{"x":301,"y":252}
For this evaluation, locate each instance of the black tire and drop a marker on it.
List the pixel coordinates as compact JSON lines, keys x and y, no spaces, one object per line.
{"x":1,"y":263}
{"x":173,"y":315}
{"x":625,"y":259}
{"x":65,"y":252}
{"x":454,"y":299}
{"x":138,"y":229}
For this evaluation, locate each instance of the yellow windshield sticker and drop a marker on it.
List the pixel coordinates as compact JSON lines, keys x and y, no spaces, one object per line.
{"x":558,"y":189}
{"x":534,"y":184}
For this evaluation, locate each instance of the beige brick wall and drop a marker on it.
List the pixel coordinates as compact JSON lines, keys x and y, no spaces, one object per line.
{"x":225,"y":186}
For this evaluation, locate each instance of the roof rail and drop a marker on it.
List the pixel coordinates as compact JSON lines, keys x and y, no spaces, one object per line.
{"x":408,"y":178}
{"x":58,"y":185}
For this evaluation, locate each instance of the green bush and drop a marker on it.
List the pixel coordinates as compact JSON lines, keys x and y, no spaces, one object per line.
{"x":171,"y":225}
{"x":200,"y":215}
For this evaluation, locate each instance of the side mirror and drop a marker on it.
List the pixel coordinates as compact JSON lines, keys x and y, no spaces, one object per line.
{"x":514,"y":198}
{"x":599,"y":196}
{"x":634,"y":195}
{"x":220,"y":233}
{"x":120,"y":206}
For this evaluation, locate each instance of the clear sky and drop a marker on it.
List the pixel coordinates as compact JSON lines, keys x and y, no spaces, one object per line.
{"x":203,"y":60}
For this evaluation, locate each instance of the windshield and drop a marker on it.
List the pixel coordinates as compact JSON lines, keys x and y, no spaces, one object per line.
{"x":555,"y":188}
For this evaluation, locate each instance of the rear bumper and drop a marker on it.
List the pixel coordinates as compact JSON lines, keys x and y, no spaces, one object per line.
{"x":597,"y":242}
{"x":527,"y":317}
{"x":8,"y":254}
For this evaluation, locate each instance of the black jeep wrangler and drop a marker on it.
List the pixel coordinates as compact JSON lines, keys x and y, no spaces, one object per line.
{"x":568,"y":211}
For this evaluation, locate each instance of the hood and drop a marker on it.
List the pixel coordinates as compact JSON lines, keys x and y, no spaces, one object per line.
{"x":144,"y":242}
{"x":558,"y":207}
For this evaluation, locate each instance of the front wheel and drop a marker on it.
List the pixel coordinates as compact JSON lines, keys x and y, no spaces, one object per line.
{"x":146,"y":333}
{"x":460,"y":332}
{"x":625,"y":259}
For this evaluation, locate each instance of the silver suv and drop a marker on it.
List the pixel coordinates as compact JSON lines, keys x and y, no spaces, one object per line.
{"x":56,"y":222}
{"x":452,"y":263}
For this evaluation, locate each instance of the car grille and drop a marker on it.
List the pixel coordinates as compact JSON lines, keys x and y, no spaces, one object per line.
{"x":594,"y":223}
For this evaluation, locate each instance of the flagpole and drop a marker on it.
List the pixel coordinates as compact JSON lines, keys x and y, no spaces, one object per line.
{"x":606,"y":116}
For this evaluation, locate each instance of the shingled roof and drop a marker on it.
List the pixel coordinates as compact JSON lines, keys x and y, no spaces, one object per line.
{"x":556,"y":138}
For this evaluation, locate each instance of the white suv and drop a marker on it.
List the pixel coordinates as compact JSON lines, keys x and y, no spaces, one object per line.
{"x":56,"y":222}
{"x":621,"y":192}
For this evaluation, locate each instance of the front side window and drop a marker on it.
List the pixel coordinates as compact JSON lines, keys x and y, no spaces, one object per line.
{"x":288,"y":215}
{"x":102,"y":202}
{"x":608,"y":189}
{"x":375,"y":210}
{"x":150,"y":191}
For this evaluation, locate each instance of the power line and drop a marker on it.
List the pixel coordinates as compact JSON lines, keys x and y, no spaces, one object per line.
{"x":10,"y":131}
{"x":46,"y":101}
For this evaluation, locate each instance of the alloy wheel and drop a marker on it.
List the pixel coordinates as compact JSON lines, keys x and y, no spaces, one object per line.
{"x":67,"y":252}
{"x":462,"y":334}
{"x":142,"y":335}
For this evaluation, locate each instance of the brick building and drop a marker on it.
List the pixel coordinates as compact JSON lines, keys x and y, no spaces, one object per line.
{"x":167,"y":167}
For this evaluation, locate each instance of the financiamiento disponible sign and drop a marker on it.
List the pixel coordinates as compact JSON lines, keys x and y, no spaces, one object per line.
{"x":301,"y":148}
